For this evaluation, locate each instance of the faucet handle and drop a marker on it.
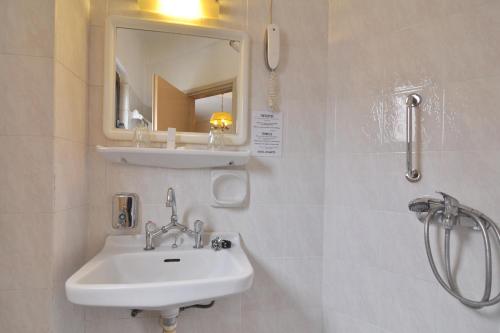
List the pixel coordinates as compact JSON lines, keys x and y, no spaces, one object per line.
{"x":198,"y":230}
{"x":451,"y":206}
{"x":198,"y":226}
{"x":150,"y":227}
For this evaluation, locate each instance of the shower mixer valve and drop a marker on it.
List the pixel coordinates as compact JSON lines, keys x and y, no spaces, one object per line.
{"x":450,"y":207}
{"x":449,"y":213}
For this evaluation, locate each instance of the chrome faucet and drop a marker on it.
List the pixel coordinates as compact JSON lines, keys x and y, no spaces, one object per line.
{"x":172,"y":204}
{"x":152,"y":231}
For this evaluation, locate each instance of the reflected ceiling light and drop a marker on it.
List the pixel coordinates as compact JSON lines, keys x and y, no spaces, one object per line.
{"x":221,"y":120}
{"x":182,"y":9}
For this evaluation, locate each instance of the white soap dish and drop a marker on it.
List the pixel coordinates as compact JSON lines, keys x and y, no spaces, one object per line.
{"x":229,"y":188}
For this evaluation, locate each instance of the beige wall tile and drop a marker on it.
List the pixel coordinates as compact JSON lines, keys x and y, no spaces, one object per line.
{"x":26,"y":93}
{"x":25,"y":255}
{"x":32,"y":24}
{"x":96,"y":56}
{"x":98,"y":12}
{"x":39,"y":174}
{"x":96,"y":169}
{"x":95,"y":131}
{"x":71,"y":35}
{"x":69,"y":242}
{"x":122,"y":6}
{"x":18,"y":305}
{"x":70,"y":105}
{"x":233,"y":14}
{"x":284,"y":191}
{"x":70,"y":168}
{"x":27,"y":176}
{"x":66,"y":317}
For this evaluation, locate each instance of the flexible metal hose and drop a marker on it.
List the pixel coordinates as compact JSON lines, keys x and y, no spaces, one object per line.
{"x":487,"y":249}
{"x":450,"y":286}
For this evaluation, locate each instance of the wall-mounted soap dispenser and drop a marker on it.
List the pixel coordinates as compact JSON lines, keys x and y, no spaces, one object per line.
{"x":125,"y":210}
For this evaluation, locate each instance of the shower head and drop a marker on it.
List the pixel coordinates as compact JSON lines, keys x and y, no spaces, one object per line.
{"x":420,"y":205}
{"x":448,"y":206}
{"x":426,"y":203}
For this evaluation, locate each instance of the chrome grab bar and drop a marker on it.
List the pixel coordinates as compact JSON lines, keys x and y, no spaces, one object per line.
{"x":412,"y":101}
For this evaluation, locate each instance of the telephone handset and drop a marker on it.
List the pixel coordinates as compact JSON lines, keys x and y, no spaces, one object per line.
{"x":273,"y":46}
{"x":272,"y":62}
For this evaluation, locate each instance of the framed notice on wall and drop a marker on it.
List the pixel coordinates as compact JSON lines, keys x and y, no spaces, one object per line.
{"x":267,"y":131}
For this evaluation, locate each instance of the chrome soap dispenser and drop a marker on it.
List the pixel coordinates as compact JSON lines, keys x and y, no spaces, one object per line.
{"x":125,"y":210}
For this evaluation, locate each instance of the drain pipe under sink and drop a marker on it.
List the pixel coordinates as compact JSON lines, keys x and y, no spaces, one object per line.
{"x":168,"y":320}
{"x":168,"y":317}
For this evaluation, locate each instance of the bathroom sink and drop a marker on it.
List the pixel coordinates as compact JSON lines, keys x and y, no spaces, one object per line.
{"x":124,"y":275}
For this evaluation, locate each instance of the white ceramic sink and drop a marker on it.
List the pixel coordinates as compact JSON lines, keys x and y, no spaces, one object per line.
{"x":124,"y":275}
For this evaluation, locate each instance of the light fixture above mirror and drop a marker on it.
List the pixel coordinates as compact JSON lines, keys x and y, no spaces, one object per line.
{"x":182,"y":9}
{"x":163,"y":75}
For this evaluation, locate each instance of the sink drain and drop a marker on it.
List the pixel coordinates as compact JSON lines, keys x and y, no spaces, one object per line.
{"x":172,"y":260}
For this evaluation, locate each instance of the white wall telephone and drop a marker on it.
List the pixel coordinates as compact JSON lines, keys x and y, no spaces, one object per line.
{"x":272,"y":62}
{"x":273,"y":46}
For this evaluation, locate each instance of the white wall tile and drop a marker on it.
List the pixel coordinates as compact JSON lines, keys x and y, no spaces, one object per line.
{"x":471,"y":118}
{"x":290,"y":177}
{"x":469,"y":52}
{"x":339,"y":323}
{"x":376,"y":277}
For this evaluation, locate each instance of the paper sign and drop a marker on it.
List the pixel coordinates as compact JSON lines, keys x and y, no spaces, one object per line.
{"x":267,"y":130}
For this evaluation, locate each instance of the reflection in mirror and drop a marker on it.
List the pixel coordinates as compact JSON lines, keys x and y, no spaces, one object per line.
{"x":173,"y":80}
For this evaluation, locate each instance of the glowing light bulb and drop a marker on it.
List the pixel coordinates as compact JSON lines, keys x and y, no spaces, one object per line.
{"x":221,"y":120}
{"x":186,"y":9}
{"x":182,"y":9}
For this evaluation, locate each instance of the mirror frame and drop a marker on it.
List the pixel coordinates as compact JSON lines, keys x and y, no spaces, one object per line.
{"x":114,"y":22}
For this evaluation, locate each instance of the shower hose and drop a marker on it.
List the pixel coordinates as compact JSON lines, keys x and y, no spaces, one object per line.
{"x":481,"y":223}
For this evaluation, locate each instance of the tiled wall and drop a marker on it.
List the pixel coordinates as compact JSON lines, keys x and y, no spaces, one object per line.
{"x":369,"y":250}
{"x":282,"y":225}
{"x":43,"y":92}
{"x":26,"y":159}
{"x":70,"y":156}
{"x":376,"y":275}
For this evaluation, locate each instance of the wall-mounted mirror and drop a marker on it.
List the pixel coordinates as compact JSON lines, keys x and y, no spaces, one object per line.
{"x":163,"y":75}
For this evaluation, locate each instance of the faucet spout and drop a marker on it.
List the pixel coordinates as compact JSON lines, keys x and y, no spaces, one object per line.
{"x":153,"y":231}
{"x":171,"y":202}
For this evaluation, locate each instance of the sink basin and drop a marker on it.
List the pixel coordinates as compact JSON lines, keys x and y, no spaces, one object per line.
{"x":124,"y":275}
